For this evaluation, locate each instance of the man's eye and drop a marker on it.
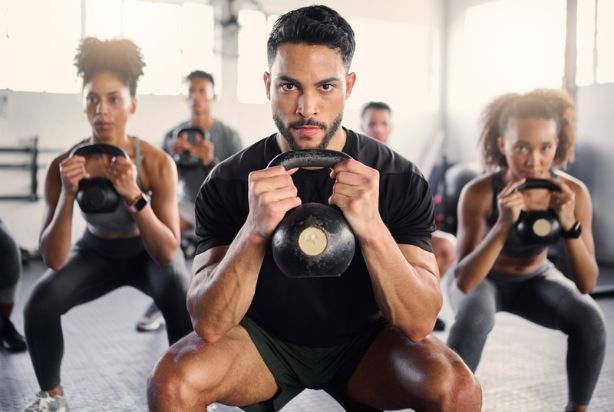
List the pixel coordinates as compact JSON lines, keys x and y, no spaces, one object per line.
{"x":327,"y":86}
{"x":288,"y":86}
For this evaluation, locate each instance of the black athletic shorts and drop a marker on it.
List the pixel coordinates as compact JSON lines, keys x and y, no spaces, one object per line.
{"x":296,"y":367}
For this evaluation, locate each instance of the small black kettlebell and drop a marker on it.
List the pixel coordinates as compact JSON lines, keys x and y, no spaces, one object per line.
{"x":539,"y":227}
{"x":97,"y":194}
{"x":312,"y":240}
{"x":185,"y":158}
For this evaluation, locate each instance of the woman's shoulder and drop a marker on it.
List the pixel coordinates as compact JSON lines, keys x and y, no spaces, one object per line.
{"x":156,"y":165}
{"x":480,"y":185}
{"x":575,"y":184}
{"x":476,"y":195}
{"x":153,"y":155}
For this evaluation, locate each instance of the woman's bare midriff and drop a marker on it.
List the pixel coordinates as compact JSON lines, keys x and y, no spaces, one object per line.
{"x":518,"y":266}
{"x":114,"y":235}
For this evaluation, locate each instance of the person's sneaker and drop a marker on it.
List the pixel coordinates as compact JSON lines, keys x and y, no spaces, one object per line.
{"x":440,"y":325}
{"x":151,"y":320}
{"x":47,"y":403}
{"x":10,"y":339}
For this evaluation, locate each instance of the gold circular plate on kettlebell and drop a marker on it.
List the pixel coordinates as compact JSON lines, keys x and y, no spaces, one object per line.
{"x":312,"y":241}
{"x":542,"y":227}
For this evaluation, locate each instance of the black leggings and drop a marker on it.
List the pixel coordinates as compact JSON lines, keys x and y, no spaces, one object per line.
{"x":10,"y":267}
{"x":545,"y":297}
{"x":94,"y":268}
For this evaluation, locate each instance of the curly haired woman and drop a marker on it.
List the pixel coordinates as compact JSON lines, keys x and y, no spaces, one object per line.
{"x":136,"y":244}
{"x":527,"y":136}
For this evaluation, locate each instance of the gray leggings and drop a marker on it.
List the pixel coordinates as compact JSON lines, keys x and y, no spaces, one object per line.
{"x":545,"y":297}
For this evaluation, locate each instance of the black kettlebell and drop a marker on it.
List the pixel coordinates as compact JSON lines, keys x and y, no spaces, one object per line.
{"x":97,"y":194}
{"x":312,"y":240}
{"x":538,"y":226}
{"x":185,"y":158}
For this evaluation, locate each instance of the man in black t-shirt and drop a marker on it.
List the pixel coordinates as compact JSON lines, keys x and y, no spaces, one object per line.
{"x":364,"y":337}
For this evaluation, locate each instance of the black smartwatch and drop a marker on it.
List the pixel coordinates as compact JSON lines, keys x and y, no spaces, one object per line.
{"x":574,"y":232}
{"x":139,"y":203}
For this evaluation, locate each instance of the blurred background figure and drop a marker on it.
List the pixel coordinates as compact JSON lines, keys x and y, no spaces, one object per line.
{"x":10,"y":273}
{"x":197,"y":145}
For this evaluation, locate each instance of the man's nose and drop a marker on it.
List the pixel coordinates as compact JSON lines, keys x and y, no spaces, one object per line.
{"x":307,"y":105}
{"x":101,"y":107}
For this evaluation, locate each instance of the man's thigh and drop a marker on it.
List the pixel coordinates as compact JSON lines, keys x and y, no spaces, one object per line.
{"x":229,"y":371}
{"x":397,"y":373}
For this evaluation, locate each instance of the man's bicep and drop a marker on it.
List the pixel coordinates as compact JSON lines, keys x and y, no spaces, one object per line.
{"x":420,"y":258}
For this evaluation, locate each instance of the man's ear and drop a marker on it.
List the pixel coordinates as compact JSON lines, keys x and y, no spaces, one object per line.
{"x":133,"y":104}
{"x":350,"y":79}
{"x":266,"y":77}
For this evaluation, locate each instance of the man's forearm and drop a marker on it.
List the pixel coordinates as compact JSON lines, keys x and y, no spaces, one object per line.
{"x":221,"y":293}
{"x":409,"y":296}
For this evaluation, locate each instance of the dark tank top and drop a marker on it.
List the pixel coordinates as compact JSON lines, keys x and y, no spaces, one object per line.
{"x":513,"y":246}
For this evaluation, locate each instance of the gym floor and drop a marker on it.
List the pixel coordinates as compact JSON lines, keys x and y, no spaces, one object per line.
{"x":106,"y":362}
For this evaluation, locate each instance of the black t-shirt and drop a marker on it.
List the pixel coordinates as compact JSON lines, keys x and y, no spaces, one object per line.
{"x":318,"y":312}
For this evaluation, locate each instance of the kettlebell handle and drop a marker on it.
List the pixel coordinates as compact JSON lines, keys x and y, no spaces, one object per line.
{"x":98,"y":148}
{"x":308,"y":158}
{"x":532,"y":183}
{"x":192,"y":129}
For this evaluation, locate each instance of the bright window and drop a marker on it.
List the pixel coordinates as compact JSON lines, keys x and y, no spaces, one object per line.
{"x":252,"y":63}
{"x":37,"y":45}
{"x":174,"y":38}
{"x":585,"y":43}
{"x":406,"y":76}
{"x":605,"y":41}
{"x":513,"y":46}
{"x":595,"y":61}
{"x":39,"y":39}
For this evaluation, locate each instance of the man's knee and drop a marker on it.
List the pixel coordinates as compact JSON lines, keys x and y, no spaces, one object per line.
{"x":175,"y":385}
{"x":452,"y":386}
{"x":466,"y":392}
{"x":164,"y":385}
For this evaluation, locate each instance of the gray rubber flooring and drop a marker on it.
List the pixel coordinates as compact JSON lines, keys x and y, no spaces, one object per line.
{"x":107,"y":362}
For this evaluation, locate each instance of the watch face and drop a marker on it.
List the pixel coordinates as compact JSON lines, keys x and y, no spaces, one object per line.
{"x":140,"y":204}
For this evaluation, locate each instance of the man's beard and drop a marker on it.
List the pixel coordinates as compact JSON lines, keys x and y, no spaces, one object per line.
{"x":285,"y":131}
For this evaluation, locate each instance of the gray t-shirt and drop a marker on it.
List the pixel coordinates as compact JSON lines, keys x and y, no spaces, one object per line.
{"x":226,"y":142}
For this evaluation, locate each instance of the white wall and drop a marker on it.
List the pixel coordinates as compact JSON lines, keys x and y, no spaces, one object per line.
{"x":59,"y":121}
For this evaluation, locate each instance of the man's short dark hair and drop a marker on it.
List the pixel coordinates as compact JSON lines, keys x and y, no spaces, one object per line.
{"x":375,"y":106}
{"x":201,"y":74}
{"x":313,"y":25}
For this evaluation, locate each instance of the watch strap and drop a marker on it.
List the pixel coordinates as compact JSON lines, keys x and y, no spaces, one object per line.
{"x":574,"y":232}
